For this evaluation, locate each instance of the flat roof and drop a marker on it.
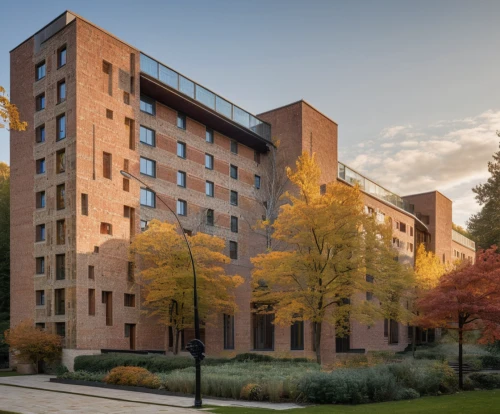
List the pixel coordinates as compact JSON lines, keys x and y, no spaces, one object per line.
{"x":295,"y":103}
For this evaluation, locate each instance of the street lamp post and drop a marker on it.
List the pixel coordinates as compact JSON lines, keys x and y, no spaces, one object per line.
{"x":196,"y":347}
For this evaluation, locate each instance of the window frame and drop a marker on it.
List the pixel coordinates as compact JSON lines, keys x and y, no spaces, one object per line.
{"x":235,"y":201}
{"x":61,"y":132}
{"x":183,"y":176}
{"x":257,"y":181}
{"x":181,"y":121}
{"x":153,"y":136}
{"x":182,"y":145}
{"x":60,"y":98}
{"x":59,"y":55}
{"x":144,"y":99}
{"x":148,"y":162}
{"x":40,"y":102}
{"x":210,"y":213}
{"x":40,"y":132}
{"x":233,"y":252}
{"x":40,"y":162}
{"x":209,"y":161}
{"x":209,"y":188}
{"x":233,"y":171}
{"x":234,"y":147}
{"x":38,"y":66}
{"x":234,"y":224}
{"x":209,"y":135}
{"x":147,"y":192}
{"x":181,"y":207}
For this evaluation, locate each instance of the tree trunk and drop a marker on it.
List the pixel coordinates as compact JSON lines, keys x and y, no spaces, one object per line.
{"x":414,"y":340}
{"x":176,"y":341}
{"x":460,"y":356}
{"x":317,"y":341}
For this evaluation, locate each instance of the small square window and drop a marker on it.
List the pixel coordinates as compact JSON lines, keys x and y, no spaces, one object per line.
{"x":106,"y":229}
{"x":181,"y":120}
{"x":234,"y":198}
{"x":61,"y":57}
{"x":61,"y":91}
{"x":209,"y":161}
{"x":234,"y":147}
{"x":40,"y":134}
{"x":40,"y":71}
{"x":209,"y":135}
{"x":40,"y":102}
{"x":234,"y":171}
{"x":233,"y":250}
{"x":234,"y":224}
{"x":109,"y":114}
{"x":181,"y":208}
{"x":257,"y":181}
{"x":148,"y":105}
{"x":181,"y":149}
{"x":148,"y":167}
{"x":129,"y":300}
{"x":209,"y":188}
{"x":181,"y":179}
{"x":210,"y":217}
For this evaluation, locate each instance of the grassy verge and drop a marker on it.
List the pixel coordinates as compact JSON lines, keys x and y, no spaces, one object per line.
{"x":472,"y":402}
{"x":8,"y":374}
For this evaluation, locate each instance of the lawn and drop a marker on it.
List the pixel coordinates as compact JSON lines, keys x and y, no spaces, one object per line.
{"x":8,"y":374}
{"x":471,"y":402}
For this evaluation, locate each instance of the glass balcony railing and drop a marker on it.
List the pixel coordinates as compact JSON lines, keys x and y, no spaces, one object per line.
{"x":461,"y":239}
{"x":204,"y":96}
{"x":368,"y":186}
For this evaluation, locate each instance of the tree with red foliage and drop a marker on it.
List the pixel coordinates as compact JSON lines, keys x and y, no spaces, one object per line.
{"x":466,"y":299}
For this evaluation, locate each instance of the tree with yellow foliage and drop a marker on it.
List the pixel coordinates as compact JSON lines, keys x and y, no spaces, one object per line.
{"x":9,"y":114}
{"x":167,"y":276}
{"x":332,"y":246}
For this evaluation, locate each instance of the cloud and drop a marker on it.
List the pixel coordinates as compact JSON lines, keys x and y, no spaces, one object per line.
{"x":451,"y":158}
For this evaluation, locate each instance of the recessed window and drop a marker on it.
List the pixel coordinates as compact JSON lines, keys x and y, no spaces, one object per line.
{"x":148,"y":167}
{"x":61,"y":196}
{"x":209,"y":135}
{"x":233,"y":170}
{"x":91,"y":272}
{"x":126,"y":98}
{"x":40,"y":71}
{"x":130,"y":126}
{"x":91,"y":302}
{"x":257,"y":181}
{"x":209,"y":161}
{"x":233,"y":250}
{"x":181,"y":149}
{"x":40,"y":199}
{"x":40,"y":233}
{"x":40,"y":134}
{"x":181,"y":179}
{"x":40,"y":166}
{"x":40,"y":297}
{"x":402,"y":227}
{"x":60,"y":232}
{"x":107,"y":68}
{"x":209,"y":188}
{"x":129,"y":300}
{"x":182,"y":207}
{"x":106,"y":228}
{"x":40,"y":102}
{"x":228,"y":331}
{"x":61,"y":57}
{"x":61,"y":91}
{"x":256,"y":157}
{"x":40,"y":265}
{"x":126,"y":184}
{"x":59,"y":301}
{"x":61,"y":329}
{"x":60,"y":266}
{"x":181,"y":120}
{"x":109,"y":114}
{"x":297,"y":336}
{"x":106,"y":165}
{"x":144,"y":225}
{"x":234,"y":198}
{"x":60,"y":161}
{"x":148,"y":198}
{"x":96,"y":249}
{"x":234,"y":224}
{"x":210,"y":217}
{"x":85,"y":204}
{"x":61,"y":127}
{"x":148,"y":105}
{"x":234,"y":147}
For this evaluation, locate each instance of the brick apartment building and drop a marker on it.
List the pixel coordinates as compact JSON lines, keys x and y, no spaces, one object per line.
{"x":96,"y":105}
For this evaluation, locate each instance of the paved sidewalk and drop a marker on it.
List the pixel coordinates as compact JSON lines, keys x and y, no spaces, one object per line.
{"x":41,"y":383}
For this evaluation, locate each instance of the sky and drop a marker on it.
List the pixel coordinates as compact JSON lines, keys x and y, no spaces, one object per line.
{"x":414,"y":86}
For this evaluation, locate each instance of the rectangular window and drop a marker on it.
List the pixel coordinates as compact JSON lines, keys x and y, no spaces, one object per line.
{"x":60,"y":161}
{"x":61,"y":127}
{"x":85,"y":204}
{"x":60,"y":232}
{"x":126,"y":98}
{"x":60,"y":266}
{"x":61,"y":57}
{"x":109,"y":114}
{"x":228,"y":321}
{"x":130,"y":125}
{"x":40,"y":71}
{"x":411,"y":231}
{"x":233,"y":250}
{"x":210,"y":217}
{"x":106,"y":165}
{"x":209,"y":135}
{"x":234,"y":198}
{"x":257,"y":181}
{"x":209,"y":161}
{"x":107,"y":68}
{"x":91,"y":272}
{"x":181,"y":149}
{"x":126,"y":184}
{"x":40,"y":166}
{"x":263,"y":332}
{"x":181,"y":179}
{"x":61,"y":91}
{"x":40,"y":199}
{"x":61,"y":329}
{"x":40,"y":297}
{"x":40,"y":102}
{"x":106,"y":228}
{"x":130,"y":271}
{"x":148,"y":167}
{"x":148,"y":105}
{"x":393,"y":332}
{"x":148,"y":136}
{"x":144,"y":225}
{"x":181,"y":120}
{"x":256,"y":157}
{"x":40,"y":134}
{"x":234,"y":147}
{"x":234,"y":171}
{"x":129,"y":300}
{"x":61,"y":196}
{"x":40,"y":233}
{"x":182,"y":208}
{"x":59,"y":301}
{"x":402,"y":227}
{"x":91,"y":302}
{"x":107,"y":299}
{"x":209,"y":188}
{"x":148,"y":198}
{"x":234,"y":224}
{"x":297,"y":336}
{"x":40,"y":265}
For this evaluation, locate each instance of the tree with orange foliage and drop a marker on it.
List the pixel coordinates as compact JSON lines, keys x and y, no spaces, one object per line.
{"x":9,"y":114}
{"x":32,"y":345}
{"x":466,"y":299}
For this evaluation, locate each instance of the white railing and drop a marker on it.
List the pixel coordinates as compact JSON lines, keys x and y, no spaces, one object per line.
{"x":461,"y":239}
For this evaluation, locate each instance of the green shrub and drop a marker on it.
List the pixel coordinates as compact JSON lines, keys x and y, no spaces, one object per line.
{"x":83,"y":376}
{"x":435,"y":356}
{"x":485,"y":381}
{"x":474,"y":361}
{"x":253,"y":357}
{"x":490,"y":361}
{"x":61,"y":369}
{"x":408,"y":394}
{"x":132,"y":376}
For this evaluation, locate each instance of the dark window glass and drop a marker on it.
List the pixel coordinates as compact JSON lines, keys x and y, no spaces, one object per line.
{"x":61,"y":91}
{"x":40,"y":199}
{"x":40,"y":265}
{"x":60,"y":161}
{"x":234,"y":147}
{"x":210,"y":217}
{"x":209,"y":161}
{"x":181,"y":149}
{"x":234,"y":171}
{"x":263,"y":332}
{"x":40,"y":166}
{"x":297,"y":336}
{"x":61,"y":127}
{"x":61,"y":57}
{"x":234,"y":224}
{"x":60,"y":266}
{"x":40,"y":298}
{"x":148,"y":105}
{"x":209,"y":188}
{"x":181,"y":120}
{"x":209,"y":135}
{"x":234,"y":198}
{"x":148,"y":198}
{"x":233,"y":250}
{"x":181,"y":208}
{"x":40,"y":233}
{"x":40,"y":102}
{"x":228,"y":321}
{"x":40,"y":71}
{"x":257,"y":181}
{"x":40,"y":134}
